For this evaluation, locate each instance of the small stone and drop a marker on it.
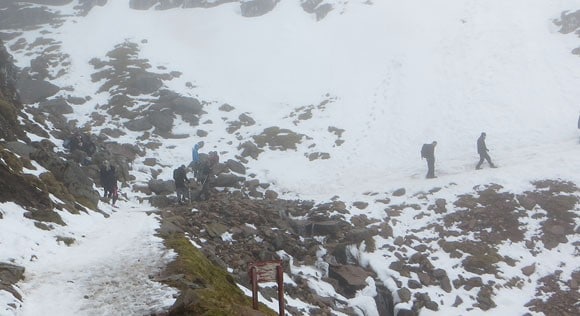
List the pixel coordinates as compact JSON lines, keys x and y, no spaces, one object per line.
{"x":414,"y":284}
{"x":529,"y":270}
{"x":445,"y":284}
{"x":432,"y":305}
{"x":399,"y":241}
{"x":404,"y":294}
{"x":458,"y":301}
{"x":399,"y":192}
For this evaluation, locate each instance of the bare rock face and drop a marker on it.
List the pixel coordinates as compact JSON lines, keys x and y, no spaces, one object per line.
{"x":10,"y":274}
{"x":32,"y":91}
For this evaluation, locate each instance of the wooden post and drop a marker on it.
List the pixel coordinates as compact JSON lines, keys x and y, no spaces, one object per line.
{"x":254,"y":288}
{"x":268,"y":271}
{"x":280,"y":277}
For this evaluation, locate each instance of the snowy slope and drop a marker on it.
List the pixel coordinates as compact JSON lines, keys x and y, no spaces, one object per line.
{"x":399,"y":74}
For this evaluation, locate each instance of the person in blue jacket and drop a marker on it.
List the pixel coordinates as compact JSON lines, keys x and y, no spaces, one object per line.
{"x":195,"y":159}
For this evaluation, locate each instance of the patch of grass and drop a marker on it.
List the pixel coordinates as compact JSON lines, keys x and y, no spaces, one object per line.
{"x":218,"y":293}
{"x":8,"y":110}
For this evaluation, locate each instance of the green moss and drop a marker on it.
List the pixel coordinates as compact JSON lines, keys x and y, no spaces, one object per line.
{"x":220,"y":294}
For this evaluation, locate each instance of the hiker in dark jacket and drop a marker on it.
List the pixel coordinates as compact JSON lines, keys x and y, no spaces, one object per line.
{"x":482,"y":151}
{"x":428,"y":152}
{"x":181,"y":181}
{"x":108,"y":177}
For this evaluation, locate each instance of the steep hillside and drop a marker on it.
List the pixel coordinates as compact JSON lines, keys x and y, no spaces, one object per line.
{"x":318,"y":109}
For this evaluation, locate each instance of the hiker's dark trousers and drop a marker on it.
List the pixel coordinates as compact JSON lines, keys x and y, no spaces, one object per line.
{"x":482,"y":157}
{"x":430,"y":167}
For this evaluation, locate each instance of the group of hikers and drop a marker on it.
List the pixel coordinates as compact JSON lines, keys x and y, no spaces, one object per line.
{"x":202,"y":172}
{"x":203,"y":168}
{"x":82,"y":147}
{"x":428,"y":152}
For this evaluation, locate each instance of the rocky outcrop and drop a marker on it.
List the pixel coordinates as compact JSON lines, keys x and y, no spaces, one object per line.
{"x":10,"y":106}
{"x":32,"y":90}
{"x":9,"y":275}
{"x":317,"y":7}
{"x":254,"y":8}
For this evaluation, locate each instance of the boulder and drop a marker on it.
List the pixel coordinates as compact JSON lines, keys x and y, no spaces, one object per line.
{"x":399,"y":192}
{"x":227,"y":180}
{"x":162,"y":186}
{"x":529,"y":270}
{"x":327,"y":228}
{"x":404,"y":294}
{"x":236,"y":166}
{"x":186,"y":105}
{"x":139,"y":125}
{"x":250,"y":149}
{"x":350,"y":278}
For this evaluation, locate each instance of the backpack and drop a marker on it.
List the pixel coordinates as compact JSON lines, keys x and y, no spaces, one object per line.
{"x":214,"y":158}
{"x":424,"y":150}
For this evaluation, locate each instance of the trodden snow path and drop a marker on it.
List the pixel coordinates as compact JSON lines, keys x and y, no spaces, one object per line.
{"x":107,"y":271}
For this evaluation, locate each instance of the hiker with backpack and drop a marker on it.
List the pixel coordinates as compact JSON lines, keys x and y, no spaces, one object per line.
{"x":428,"y":152}
{"x":181,"y":181}
{"x":205,"y":173}
{"x":482,"y":151}
{"x":108,"y":176}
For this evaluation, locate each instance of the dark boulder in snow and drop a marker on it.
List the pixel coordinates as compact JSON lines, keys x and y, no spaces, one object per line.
{"x":350,"y":278}
{"x":236,"y":166}
{"x":162,"y":186}
{"x":139,"y":125}
{"x":227,"y":180}
{"x":183,"y":105}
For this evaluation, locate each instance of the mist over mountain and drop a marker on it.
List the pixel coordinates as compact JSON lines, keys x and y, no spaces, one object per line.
{"x":318,"y":110}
